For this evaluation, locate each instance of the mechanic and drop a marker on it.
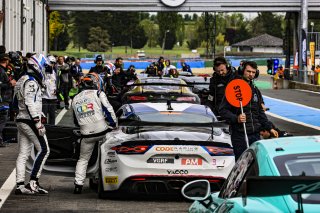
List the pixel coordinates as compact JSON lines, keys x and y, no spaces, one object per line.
{"x":254,"y":115}
{"x":49,"y":96}
{"x":95,"y":116}
{"x":31,"y":130}
{"x":222,"y":75}
{"x":4,"y":99}
{"x":131,"y":73}
{"x":99,"y":68}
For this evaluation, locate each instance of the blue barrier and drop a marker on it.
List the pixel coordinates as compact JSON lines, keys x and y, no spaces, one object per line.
{"x":144,"y":64}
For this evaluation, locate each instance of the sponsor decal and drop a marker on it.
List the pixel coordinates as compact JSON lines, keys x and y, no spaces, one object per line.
{"x":191,"y":161}
{"x":214,"y":162}
{"x":112,"y":169}
{"x":110,"y":161}
{"x":111,"y":179}
{"x":111,"y":154}
{"x":177,"y":172}
{"x":304,"y":188}
{"x":160,"y":160}
{"x":177,"y":149}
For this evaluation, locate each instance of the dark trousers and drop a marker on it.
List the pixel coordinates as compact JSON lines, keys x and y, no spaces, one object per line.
{"x":239,"y":142}
{"x":3,"y":121}
{"x":49,"y":110}
{"x":64,"y":89}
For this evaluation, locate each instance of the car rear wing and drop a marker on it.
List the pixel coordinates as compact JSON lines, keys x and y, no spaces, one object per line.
{"x":130,"y":122}
{"x":265,"y":186}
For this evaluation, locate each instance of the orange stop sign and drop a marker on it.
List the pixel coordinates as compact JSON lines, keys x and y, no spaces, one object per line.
{"x":238,"y":90}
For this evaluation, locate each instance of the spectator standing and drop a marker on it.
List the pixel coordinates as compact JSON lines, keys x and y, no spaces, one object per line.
{"x":76,"y":70}
{"x":64,"y":80}
{"x":49,"y":96}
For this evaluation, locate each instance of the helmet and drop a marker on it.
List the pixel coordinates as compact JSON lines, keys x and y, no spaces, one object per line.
{"x":52,"y":60}
{"x":92,"y":81}
{"x":35,"y":65}
{"x":15,"y":58}
{"x":110,"y":67}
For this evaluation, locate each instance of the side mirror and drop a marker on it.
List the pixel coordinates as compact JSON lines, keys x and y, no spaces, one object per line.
{"x":196,"y":190}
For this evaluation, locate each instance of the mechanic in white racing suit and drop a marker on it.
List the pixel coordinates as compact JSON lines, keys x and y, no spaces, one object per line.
{"x":95,"y":116}
{"x":31,"y":130}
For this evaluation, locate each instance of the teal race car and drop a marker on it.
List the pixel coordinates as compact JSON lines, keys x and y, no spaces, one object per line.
{"x":276,"y":175}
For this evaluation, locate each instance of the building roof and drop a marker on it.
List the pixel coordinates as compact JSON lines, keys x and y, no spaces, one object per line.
{"x":264,"y":40}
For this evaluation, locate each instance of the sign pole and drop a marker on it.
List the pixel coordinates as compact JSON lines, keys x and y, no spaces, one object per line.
{"x":244,"y":127}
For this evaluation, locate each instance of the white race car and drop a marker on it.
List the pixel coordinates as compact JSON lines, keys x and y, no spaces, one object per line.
{"x":163,"y":147}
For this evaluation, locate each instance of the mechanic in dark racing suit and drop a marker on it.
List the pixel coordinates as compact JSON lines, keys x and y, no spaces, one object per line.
{"x":31,"y":130}
{"x":95,"y":116}
{"x":253,"y":115}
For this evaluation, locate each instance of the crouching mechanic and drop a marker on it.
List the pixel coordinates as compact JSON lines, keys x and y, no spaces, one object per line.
{"x":95,"y":116}
{"x":31,"y":130}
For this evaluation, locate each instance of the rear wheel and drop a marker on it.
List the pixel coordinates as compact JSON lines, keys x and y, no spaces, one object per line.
{"x":106,"y":194}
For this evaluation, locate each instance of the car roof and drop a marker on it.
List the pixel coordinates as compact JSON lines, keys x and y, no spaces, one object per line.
{"x":288,"y":145}
{"x":177,"y":107}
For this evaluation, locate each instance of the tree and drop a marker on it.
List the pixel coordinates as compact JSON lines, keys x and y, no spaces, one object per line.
{"x":151,"y":31}
{"x":139,"y":38}
{"x":98,"y":40}
{"x":168,"y":24}
{"x":56,"y":27}
{"x":267,"y":22}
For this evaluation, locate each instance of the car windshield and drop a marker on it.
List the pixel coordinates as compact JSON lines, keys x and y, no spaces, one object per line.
{"x":175,"y":117}
{"x":307,"y":164}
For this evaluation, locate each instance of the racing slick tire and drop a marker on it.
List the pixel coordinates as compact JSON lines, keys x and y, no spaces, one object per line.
{"x":106,"y":195}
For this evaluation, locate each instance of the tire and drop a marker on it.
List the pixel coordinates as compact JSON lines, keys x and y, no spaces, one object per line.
{"x":106,"y":194}
{"x":94,"y":186}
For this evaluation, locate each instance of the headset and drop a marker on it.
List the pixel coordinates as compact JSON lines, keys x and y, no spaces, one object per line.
{"x":252,"y":64}
{"x":221,"y":60}
{"x":98,"y":56}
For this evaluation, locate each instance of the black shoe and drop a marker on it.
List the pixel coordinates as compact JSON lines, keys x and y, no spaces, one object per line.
{"x":67,"y":107}
{"x":77,"y":189}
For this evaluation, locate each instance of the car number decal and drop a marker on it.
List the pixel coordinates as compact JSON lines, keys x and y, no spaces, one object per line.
{"x":160,"y":160}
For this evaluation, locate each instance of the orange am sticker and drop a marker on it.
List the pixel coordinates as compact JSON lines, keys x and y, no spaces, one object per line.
{"x":238,"y":90}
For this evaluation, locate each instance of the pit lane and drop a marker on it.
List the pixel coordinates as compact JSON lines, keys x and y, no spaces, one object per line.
{"x":61,"y":198}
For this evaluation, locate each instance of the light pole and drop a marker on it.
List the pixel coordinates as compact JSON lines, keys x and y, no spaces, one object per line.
{"x":164,"y":40}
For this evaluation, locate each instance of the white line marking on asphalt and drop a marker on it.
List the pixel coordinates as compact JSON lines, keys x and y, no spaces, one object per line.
{"x":293,"y":121}
{"x":7,"y":187}
{"x":293,"y":103}
{"x":10,"y":183}
{"x":303,"y":90}
{"x":60,"y":115}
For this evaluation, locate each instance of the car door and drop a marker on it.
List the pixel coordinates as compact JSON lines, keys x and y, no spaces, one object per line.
{"x":64,"y":143}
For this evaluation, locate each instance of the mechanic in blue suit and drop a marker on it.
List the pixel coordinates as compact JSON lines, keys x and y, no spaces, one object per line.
{"x":95,"y":116}
{"x":253,"y":115}
{"x":31,"y":130}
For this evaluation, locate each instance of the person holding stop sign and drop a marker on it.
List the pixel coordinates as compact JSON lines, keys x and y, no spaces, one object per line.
{"x":241,"y":108}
